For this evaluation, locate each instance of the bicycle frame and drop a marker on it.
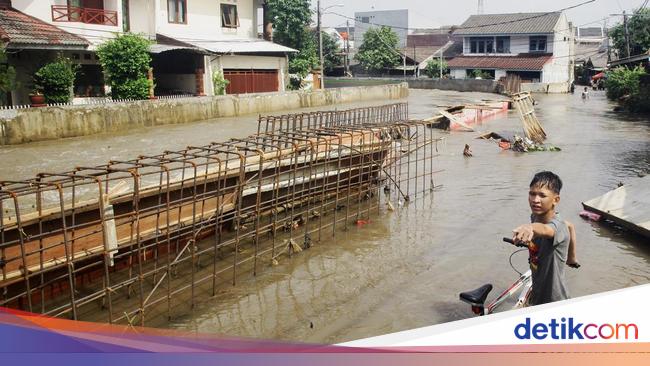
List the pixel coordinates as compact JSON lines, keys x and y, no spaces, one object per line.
{"x":477,"y":297}
{"x":524,"y":283}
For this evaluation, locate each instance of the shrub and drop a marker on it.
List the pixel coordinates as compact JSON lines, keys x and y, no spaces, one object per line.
{"x":126,"y":62}
{"x":131,"y":89}
{"x":623,"y":81}
{"x":432,"y":69}
{"x":626,"y":86}
{"x":55,"y":80}
{"x":219,"y":83}
{"x":476,"y":74}
{"x":7,"y":75}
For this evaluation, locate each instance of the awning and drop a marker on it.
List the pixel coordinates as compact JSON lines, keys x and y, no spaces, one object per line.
{"x":600,"y":75}
{"x":247,"y":45}
{"x":160,"y":48}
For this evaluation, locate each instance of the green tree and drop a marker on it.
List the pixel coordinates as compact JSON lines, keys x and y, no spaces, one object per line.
{"x":331,"y":51}
{"x":432,"y":69}
{"x":378,"y":50}
{"x":291,"y":19}
{"x":639,"y":31}
{"x":126,"y":61}
{"x":7,"y":75}
{"x":56,"y":79}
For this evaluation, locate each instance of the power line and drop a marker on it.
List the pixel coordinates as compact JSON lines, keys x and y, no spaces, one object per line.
{"x":477,"y":26}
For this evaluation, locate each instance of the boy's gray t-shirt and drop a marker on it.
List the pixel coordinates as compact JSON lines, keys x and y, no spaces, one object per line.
{"x":547,"y":265}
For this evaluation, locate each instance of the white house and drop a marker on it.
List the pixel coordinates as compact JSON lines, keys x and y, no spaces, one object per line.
{"x":538,"y":47}
{"x":193,"y":40}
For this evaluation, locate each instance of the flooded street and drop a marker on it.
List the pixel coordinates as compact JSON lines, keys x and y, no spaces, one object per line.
{"x":405,"y":268}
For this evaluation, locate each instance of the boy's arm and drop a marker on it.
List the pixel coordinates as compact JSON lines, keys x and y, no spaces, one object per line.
{"x":525,"y":233}
{"x":572,"y":260}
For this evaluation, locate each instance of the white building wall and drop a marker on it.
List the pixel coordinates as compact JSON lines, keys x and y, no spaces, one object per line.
{"x":142,"y":17}
{"x":560,"y":68}
{"x":252,"y":62}
{"x":204,"y":21}
{"x":397,"y":19}
{"x":458,"y":73}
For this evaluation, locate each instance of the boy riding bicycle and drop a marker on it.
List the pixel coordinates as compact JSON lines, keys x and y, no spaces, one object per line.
{"x":551,"y":241}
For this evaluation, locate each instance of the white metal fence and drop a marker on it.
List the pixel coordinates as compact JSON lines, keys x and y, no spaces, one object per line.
{"x":95,"y":101}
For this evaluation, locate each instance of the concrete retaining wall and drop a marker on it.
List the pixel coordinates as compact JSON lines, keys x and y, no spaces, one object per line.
{"x":462,"y":85}
{"x":38,"y":124}
{"x":554,"y":88}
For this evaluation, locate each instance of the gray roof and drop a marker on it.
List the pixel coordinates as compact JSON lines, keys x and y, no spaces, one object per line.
{"x":517,"y":23}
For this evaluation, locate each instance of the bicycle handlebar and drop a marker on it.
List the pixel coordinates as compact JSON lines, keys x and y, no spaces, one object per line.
{"x":508,"y":240}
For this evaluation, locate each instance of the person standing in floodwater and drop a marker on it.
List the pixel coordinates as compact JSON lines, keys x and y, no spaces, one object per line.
{"x":585,"y":94}
{"x":467,"y":151}
{"x":550,"y":240}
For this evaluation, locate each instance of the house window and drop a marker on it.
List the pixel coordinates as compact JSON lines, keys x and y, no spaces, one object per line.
{"x":177,"y":11}
{"x":229,"y":18}
{"x":503,"y":44}
{"x":481,"y":44}
{"x":538,"y":44}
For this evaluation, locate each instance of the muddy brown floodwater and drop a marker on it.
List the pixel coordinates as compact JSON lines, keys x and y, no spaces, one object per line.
{"x":405,"y":268}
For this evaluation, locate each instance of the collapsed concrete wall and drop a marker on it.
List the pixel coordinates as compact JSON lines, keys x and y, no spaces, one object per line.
{"x":38,"y":124}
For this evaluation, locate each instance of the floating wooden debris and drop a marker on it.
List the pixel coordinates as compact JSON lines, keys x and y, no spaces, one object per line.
{"x":533,"y":130}
{"x":463,"y":117}
{"x":627,"y":205}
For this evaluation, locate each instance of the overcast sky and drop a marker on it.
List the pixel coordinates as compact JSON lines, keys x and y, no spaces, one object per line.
{"x":435,"y":13}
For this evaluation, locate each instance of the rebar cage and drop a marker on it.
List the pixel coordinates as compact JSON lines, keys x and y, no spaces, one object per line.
{"x":131,"y":240}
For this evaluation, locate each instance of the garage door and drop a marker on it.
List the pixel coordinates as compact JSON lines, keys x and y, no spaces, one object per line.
{"x":251,"y":81}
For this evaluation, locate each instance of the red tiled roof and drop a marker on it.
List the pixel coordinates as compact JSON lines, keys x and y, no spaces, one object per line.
{"x":18,"y":29}
{"x":522,"y":62}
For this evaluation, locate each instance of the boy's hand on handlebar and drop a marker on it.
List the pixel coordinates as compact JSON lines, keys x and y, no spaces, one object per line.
{"x":523,"y":234}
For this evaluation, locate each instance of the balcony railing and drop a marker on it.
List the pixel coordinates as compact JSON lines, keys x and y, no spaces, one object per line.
{"x":64,"y":13}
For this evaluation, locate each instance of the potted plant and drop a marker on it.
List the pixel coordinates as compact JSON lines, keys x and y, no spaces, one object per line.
{"x":36,"y":97}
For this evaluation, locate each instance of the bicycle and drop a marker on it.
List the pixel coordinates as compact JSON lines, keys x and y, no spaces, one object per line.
{"x":476,"y":298}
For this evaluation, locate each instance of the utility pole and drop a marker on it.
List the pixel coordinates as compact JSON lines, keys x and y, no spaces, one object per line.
{"x":440,"y":62}
{"x":609,"y":50}
{"x":320,"y":48}
{"x":481,"y":8}
{"x":627,"y":33}
{"x":347,"y":48}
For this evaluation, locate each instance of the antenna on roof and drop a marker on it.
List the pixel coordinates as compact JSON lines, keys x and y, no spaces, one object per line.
{"x":481,"y":7}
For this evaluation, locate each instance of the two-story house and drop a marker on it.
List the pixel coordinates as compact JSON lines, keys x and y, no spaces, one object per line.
{"x":538,"y":47}
{"x":193,"y":39}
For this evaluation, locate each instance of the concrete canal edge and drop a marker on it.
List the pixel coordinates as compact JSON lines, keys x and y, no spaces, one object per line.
{"x":48,"y":123}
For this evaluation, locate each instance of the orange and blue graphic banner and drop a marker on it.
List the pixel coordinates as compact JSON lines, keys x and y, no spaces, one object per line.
{"x":600,"y":329}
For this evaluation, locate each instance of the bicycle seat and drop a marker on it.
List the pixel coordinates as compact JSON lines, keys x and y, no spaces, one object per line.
{"x":477,"y":296}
